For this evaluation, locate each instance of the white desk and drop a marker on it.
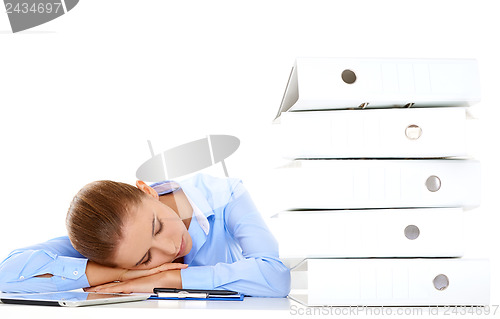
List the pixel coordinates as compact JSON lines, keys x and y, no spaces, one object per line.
{"x":158,"y":309}
{"x":259,"y":308}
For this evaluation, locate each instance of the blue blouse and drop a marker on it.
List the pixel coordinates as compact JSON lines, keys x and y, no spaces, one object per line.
{"x":232,"y":249}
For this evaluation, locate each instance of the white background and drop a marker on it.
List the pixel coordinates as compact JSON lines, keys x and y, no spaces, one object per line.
{"x":81,"y":95}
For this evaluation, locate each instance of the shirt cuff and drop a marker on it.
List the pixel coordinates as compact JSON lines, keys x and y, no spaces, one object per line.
{"x":69,"y":273}
{"x":69,"y":267}
{"x":198,"y":277}
{"x":63,"y":283}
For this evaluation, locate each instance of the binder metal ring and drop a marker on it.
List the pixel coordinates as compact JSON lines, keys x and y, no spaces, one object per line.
{"x":348,"y":76}
{"x":441,"y":282}
{"x":413,"y":132}
{"x":433,"y":183}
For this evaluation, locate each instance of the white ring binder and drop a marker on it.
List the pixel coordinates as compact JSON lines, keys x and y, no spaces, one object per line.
{"x":372,"y":206}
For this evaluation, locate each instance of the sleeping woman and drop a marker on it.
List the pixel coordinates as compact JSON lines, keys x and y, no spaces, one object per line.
{"x":202,"y":233}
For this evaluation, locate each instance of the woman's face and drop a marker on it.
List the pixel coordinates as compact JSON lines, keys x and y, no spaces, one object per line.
{"x":152,"y":234}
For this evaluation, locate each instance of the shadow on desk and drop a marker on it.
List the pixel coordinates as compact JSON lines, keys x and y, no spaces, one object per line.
{"x":249,"y":303}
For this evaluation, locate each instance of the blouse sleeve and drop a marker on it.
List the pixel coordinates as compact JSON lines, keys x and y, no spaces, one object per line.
{"x":260,"y":273}
{"x":56,"y":257}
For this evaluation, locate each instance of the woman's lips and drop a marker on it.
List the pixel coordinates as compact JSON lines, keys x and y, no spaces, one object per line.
{"x":181,"y":249}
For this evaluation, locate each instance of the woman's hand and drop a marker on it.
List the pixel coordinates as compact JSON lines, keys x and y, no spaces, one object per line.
{"x":166,"y":279}
{"x":129,"y":274}
{"x":98,"y":274}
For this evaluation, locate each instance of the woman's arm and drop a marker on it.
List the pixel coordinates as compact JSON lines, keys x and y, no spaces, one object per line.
{"x":99,"y":275}
{"x":261,"y":273}
{"x":20,"y":271}
{"x":56,"y":266}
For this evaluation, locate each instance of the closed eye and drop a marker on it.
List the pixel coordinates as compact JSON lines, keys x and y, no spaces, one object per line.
{"x":160,"y":228}
{"x":147,"y":261}
{"x":154,"y":232}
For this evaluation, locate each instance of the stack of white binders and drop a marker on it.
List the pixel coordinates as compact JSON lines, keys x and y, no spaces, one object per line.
{"x":378,"y":178}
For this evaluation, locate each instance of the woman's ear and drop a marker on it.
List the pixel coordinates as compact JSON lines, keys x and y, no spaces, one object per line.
{"x":147,"y":189}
